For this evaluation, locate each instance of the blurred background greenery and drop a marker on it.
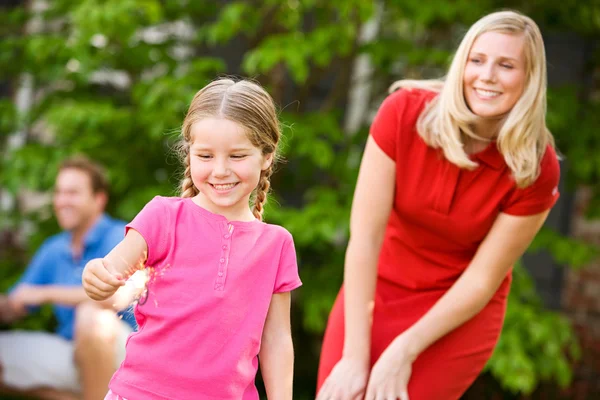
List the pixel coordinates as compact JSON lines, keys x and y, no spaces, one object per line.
{"x":113,"y":79}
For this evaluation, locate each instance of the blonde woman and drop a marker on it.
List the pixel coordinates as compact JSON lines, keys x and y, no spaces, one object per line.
{"x":457,"y":178}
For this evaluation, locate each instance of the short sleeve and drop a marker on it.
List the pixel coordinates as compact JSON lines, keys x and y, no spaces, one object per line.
{"x":539,"y":196}
{"x":39,"y":269}
{"x":287,"y":278}
{"x":384,"y":128}
{"x":152,"y":222}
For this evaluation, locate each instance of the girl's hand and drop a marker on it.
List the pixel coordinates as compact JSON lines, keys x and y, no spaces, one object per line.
{"x":347,"y":381}
{"x":390,"y":374}
{"x":100,"y":280}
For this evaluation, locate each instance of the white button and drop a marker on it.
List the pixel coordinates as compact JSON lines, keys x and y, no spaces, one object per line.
{"x":226,"y":236}
{"x":222,"y":260}
{"x":224,"y":247}
{"x":220,"y":273}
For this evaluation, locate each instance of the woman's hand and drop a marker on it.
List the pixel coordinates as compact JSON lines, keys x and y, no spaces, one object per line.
{"x":390,"y":374}
{"x":347,"y":381}
{"x":100,"y":279}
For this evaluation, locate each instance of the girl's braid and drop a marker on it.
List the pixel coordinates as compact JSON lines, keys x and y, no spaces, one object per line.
{"x":260,"y":199}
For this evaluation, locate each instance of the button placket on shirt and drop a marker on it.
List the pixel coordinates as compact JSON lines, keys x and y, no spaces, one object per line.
{"x":447,"y":189}
{"x":223,"y":261}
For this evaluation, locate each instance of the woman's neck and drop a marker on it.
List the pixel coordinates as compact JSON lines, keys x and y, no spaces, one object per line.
{"x":487,"y":128}
{"x":472,"y":146}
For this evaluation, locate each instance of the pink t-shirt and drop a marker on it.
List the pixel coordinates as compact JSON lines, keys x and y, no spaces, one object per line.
{"x":210,"y":288}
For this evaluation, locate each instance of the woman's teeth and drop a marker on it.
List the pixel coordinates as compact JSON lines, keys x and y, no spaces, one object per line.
{"x":487,"y":93}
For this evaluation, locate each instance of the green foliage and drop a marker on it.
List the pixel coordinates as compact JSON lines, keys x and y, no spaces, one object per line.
{"x":564,"y":250}
{"x":575,"y":123}
{"x":535,"y":345}
{"x":113,"y":79}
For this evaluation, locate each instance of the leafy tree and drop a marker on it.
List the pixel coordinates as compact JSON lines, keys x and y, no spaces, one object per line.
{"x":113,"y":78}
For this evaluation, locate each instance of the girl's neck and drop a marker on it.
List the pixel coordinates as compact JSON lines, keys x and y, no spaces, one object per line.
{"x":238,"y":212}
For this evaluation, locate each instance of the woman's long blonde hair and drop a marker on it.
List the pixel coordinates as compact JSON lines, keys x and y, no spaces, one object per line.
{"x":523,"y":137}
{"x":247,"y":104}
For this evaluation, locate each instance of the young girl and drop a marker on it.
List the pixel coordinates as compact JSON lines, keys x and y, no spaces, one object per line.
{"x":218,"y":293}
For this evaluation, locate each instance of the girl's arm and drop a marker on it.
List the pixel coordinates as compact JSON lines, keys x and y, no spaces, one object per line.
{"x":276,"y":354}
{"x":103,"y":276}
{"x":129,"y":255}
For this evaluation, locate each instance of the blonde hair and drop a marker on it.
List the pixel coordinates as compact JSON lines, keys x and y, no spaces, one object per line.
{"x":523,"y":137}
{"x":247,"y":104}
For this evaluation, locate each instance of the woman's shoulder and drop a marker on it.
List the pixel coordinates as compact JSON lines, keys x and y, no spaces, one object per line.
{"x":403,"y":107}
{"x":411,"y":98}
{"x":550,"y":158}
{"x":394,"y":125}
{"x":414,"y":93}
{"x":549,"y":166}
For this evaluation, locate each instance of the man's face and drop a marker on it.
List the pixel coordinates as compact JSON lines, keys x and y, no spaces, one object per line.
{"x":75,"y":204}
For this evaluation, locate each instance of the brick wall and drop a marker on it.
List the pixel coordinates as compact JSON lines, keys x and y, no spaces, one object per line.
{"x":581,"y":303}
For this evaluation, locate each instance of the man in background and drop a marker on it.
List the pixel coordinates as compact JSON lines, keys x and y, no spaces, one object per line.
{"x":78,"y":360}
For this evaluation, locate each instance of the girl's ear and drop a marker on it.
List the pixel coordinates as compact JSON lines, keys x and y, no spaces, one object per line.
{"x":267,"y":161}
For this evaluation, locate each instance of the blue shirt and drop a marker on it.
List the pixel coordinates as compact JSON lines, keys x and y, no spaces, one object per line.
{"x":53,"y":264}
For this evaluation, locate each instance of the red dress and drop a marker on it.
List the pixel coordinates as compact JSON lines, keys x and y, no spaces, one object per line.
{"x":440,"y":215}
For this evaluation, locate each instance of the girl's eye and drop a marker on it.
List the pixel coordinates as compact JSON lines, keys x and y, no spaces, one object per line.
{"x":507,"y":66}
{"x":203,"y":156}
{"x":238,"y":156}
{"x":475,"y":60}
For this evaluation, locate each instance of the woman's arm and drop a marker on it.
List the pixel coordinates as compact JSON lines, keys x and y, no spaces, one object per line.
{"x":505,"y":243}
{"x":503,"y":246}
{"x":276,"y":354}
{"x":371,"y":206}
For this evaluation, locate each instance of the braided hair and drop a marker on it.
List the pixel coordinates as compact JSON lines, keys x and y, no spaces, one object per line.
{"x":249,"y":105}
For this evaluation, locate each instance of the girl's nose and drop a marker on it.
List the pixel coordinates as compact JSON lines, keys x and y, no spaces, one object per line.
{"x":221,"y":168}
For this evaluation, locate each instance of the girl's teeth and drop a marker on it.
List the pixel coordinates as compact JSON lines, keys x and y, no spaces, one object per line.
{"x":224,"y":187}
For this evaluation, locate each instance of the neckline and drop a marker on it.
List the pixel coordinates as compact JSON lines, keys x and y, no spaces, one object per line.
{"x":220,"y":218}
{"x":489,"y":155}
{"x":483,"y":149}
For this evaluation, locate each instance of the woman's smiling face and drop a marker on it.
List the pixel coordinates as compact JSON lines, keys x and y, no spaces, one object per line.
{"x":495,"y":74}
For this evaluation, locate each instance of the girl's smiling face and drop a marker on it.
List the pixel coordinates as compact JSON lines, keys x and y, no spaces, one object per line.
{"x":225,"y":167}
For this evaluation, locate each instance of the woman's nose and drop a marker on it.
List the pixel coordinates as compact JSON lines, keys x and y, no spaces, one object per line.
{"x":488,"y":73}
